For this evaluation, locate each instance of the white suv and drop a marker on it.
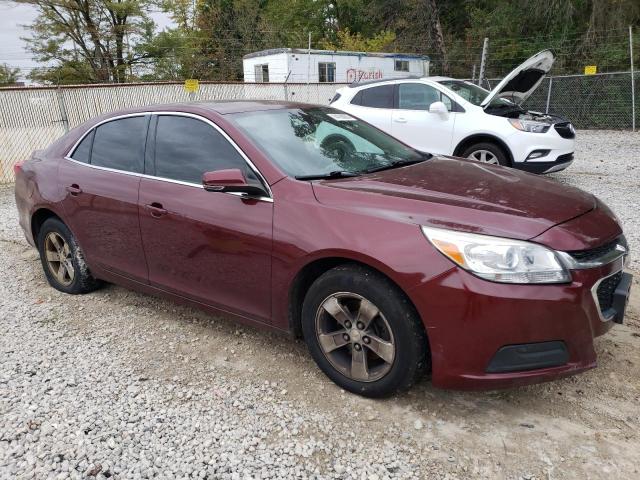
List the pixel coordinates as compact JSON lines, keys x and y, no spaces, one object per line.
{"x":453,"y":117}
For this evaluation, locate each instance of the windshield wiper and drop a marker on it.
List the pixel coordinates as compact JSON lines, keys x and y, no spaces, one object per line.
{"x":399,"y":163}
{"x":334,"y":174}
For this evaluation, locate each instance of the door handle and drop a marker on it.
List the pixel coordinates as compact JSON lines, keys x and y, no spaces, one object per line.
{"x":156,"y":209}
{"x":74,"y":189}
{"x":400,"y":120}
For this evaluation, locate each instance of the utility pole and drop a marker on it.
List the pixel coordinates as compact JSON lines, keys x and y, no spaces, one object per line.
{"x":633,"y":84}
{"x":308,"y":60}
{"x":483,"y":60}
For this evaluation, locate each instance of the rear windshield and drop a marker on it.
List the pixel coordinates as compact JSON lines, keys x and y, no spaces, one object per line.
{"x":320,"y":140}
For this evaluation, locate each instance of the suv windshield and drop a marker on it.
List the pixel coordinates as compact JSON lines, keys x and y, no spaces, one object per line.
{"x":319,"y":141}
{"x":472,"y":93}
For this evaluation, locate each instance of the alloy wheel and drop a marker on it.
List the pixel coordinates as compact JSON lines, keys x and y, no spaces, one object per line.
{"x":484,"y":156}
{"x":355,"y":337}
{"x":58,"y":257}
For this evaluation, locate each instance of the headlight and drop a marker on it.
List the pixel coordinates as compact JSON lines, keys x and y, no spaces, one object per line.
{"x":499,"y":259}
{"x":529,"y":125}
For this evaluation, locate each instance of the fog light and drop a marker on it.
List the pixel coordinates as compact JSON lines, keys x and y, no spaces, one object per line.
{"x":538,"y":154}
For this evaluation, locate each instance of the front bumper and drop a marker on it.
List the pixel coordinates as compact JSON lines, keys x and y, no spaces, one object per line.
{"x":469,"y":321}
{"x":560,"y":163}
{"x":557,"y":151}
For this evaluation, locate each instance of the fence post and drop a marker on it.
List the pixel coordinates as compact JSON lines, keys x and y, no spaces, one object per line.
{"x":633,"y":85}
{"x":483,"y":60}
{"x":549,"y":95}
{"x":63,"y":109}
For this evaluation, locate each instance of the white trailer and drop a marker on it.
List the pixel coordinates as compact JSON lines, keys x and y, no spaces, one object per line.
{"x":297,"y":65}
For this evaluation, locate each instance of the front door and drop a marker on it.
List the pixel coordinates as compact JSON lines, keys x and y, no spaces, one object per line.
{"x":412,"y":122}
{"x":212,"y":247}
{"x":101,"y":195}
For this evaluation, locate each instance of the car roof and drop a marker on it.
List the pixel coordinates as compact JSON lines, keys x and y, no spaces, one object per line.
{"x":221,"y":107}
{"x":398,"y":79}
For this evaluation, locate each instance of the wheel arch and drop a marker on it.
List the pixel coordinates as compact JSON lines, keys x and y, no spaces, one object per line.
{"x":40,"y":216}
{"x":479,"y":138}
{"x":312,"y":270}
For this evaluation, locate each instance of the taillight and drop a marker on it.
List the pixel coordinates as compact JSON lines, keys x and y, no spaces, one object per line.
{"x":17,"y":167}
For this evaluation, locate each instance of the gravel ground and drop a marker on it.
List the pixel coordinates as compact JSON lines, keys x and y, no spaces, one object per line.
{"x":122,"y":385}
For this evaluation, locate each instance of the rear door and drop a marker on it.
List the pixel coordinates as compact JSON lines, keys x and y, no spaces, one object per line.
{"x":374,"y":105}
{"x":211,"y":247}
{"x":101,"y":178}
{"x":416,"y":126}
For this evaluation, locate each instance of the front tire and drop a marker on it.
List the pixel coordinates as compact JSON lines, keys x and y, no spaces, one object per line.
{"x":62,"y":259}
{"x":363,"y":332}
{"x":487,"y":152}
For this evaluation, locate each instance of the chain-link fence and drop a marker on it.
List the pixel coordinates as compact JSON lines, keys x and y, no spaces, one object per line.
{"x":32,"y":118}
{"x":601,"y":101}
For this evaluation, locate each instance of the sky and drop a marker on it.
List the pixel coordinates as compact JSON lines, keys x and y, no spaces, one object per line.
{"x":12,"y":18}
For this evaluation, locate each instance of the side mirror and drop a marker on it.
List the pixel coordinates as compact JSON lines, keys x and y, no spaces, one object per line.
{"x":439,"y":108}
{"x":229,"y":180}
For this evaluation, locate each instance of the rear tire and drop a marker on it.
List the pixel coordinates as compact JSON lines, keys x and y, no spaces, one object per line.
{"x":373,"y":342}
{"x":487,"y":152}
{"x":62,"y":259}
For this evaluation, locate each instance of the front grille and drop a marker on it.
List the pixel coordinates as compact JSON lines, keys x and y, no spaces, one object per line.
{"x":606,"y":290}
{"x":597,"y":252}
{"x":565,"y":130}
{"x":567,"y":157}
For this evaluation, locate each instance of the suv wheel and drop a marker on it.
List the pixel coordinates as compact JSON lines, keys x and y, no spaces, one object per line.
{"x":363,"y":332}
{"x":486,"y":153}
{"x":62,"y":259}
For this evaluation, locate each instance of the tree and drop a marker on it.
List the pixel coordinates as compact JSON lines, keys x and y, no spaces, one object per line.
{"x":8,"y":75}
{"x":89,"y":40}
{"x":357,"y":43}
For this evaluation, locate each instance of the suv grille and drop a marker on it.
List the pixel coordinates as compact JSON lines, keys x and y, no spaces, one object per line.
{"x":597,"y":252}
{"x":606,"y":290}
{"x":565,"y":130}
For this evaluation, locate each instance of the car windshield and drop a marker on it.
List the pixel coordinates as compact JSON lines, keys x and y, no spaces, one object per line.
{"x":472,"y":93}
{"x":319,"y":141}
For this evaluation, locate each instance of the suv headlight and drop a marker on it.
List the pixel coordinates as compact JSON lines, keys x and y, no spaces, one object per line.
{"x":499,"y":259}
{"x":530,"y":126}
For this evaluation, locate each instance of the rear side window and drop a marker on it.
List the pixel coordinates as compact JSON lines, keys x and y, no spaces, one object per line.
{"x":82,"y":153}
{"x":375,"y":97}
{"x":119,"y":144}
{"x":186,"y":148}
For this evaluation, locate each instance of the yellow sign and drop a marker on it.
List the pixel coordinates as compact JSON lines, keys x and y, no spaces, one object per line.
{"x":590,"y":69}
{"x":191,"y":85}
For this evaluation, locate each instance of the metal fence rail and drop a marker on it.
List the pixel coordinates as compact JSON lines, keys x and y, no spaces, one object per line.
{"x":32,"y":118}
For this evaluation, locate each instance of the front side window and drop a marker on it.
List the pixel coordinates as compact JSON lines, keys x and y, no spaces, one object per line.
{"x":375,"y":97}
{"x":319,"y":140}
{"x":401,"y":66}
{"x":186,"y":148}
{"x":326,"y":72}
{"x":416,"y":96}
{"x":262,"y":73}
{"x":82,"y":153}
{"x":119,"y":144}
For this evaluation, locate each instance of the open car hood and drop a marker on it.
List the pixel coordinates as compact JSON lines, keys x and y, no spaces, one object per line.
{"x":518,"y":85}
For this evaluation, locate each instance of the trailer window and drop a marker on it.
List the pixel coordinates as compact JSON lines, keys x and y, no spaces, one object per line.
{"x":326,"y":72}
{"x":402,"y":66}
{"x":262,"y":73}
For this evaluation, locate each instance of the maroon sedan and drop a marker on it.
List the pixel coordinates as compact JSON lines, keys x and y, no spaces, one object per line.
{"x":388,"y":261}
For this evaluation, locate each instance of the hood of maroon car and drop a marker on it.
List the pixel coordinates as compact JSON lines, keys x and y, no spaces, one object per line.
{"x":461,"y":195}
